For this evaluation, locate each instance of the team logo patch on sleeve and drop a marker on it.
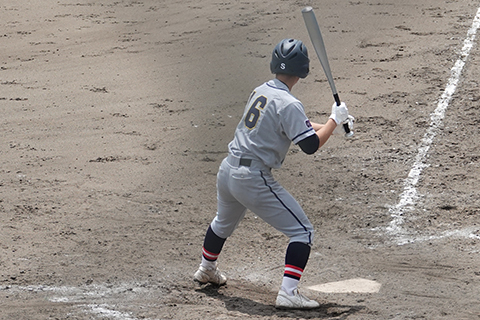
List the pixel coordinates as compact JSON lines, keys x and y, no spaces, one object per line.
{"x":309,"y":125}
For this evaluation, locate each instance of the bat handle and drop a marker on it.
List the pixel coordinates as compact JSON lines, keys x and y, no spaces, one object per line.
{"x":337,"y":99}
{"x":346,"y":128}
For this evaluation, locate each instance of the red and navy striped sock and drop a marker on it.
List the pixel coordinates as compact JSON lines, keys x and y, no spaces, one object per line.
{"x":212,"y":246}
{"x":296,"y":259}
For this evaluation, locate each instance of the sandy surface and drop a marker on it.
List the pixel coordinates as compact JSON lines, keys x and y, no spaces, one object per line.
{"x":116,"y":115}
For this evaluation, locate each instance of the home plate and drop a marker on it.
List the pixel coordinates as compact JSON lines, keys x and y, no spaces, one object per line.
{"x":348,"y":286}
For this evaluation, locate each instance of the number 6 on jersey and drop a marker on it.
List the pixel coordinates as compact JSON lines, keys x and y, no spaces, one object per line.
{"x":255,"y":111}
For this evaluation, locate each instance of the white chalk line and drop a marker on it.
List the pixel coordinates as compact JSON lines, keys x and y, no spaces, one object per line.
{"x":83,"y":297}
{"x":409,"y":196}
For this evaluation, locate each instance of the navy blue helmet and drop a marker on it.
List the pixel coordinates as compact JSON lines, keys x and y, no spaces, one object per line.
{"x":290,"y":56}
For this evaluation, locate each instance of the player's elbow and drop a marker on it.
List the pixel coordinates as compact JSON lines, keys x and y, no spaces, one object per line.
{"x":310,"y":145}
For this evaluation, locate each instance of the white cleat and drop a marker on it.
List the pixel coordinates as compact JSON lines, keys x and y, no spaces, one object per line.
{"x":203,"y":275}
{"x":297,"y":301}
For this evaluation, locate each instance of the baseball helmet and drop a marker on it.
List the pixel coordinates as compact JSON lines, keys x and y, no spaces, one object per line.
{"x":290,"y":56}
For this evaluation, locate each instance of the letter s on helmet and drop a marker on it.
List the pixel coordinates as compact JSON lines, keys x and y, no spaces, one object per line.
{"x":290,"y":56}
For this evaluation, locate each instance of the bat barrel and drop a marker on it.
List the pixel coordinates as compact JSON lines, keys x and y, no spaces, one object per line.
{"x":317,"y":41}
{"x":307,"y":9}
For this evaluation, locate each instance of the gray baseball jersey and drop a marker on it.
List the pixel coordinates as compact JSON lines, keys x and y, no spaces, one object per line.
{"x":273,"y":118}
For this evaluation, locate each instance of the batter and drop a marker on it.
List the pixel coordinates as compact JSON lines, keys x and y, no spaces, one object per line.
{"x":272,"y":120}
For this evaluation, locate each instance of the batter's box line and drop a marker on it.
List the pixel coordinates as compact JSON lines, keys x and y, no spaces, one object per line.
{"x":86,"y":298}
{"x":409,"y":196}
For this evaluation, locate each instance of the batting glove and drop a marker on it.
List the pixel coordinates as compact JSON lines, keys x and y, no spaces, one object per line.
{"x":339,"y":113}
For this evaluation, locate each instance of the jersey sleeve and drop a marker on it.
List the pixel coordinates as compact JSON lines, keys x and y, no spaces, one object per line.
{"x":295,"y":122}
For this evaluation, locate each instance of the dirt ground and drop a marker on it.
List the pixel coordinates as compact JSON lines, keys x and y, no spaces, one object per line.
{"x":117,"y":114}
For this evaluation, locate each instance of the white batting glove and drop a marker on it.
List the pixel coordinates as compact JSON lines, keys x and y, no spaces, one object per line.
{"x":340,"y":130}
{"x":339,"y":113}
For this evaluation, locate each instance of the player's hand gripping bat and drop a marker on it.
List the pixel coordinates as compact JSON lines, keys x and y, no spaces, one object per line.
{"x":317,"y":41}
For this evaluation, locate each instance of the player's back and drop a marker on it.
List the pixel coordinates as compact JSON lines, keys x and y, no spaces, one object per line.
{"x":260,"y":134}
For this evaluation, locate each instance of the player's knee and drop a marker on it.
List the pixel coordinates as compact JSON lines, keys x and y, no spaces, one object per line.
{"x":222,"y":230}
{"x":305,"y":235}
{"x":312,"y":232}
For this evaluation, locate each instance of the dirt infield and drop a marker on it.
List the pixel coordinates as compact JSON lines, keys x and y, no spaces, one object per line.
{"x":117,"y":114}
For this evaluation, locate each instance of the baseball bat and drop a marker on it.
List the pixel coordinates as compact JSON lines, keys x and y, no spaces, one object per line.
{"x":317,"y":41}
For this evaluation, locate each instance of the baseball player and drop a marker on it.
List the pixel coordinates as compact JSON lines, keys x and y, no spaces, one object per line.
{"x":272,"y":120}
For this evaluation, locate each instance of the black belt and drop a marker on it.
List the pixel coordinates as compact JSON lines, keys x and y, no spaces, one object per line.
{"x":245,"y":162}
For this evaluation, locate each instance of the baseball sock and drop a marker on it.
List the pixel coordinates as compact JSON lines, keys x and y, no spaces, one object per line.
{"x":296,"y":259}
{"x":212,"y":246}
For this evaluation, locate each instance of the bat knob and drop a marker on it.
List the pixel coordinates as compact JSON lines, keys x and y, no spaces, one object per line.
{"x":348,"y":132}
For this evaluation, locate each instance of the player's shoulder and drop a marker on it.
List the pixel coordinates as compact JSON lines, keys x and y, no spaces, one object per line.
{"x":277,"y":90}
{"x":277,"y":86}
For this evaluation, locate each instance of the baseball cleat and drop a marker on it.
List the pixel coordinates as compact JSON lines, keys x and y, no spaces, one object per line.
{"x":297,"y":301}
{"x":203,"y":275}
